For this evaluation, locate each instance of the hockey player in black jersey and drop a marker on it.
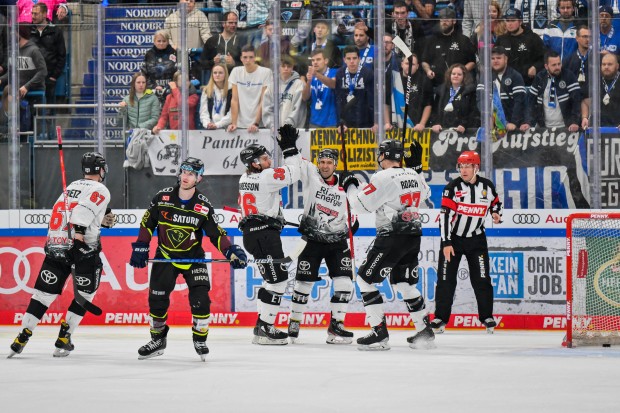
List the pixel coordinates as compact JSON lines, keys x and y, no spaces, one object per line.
{"x":259,"y":200}
{"x":324,"y":224}
{"x":465,"y":204}
{"x":181,"y":214}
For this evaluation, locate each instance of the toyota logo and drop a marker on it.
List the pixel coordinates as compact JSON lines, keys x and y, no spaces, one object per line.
{"x":48,"y":277}
{"x":304,"y":265}
{"x":82,"y":281}
{"x":126,"y":218}
{"x":345,"y":262}
{"x":21,"y":269}
{"x":37,"y":218}
{"x":526,"y":218}
{"x":385,"y":272}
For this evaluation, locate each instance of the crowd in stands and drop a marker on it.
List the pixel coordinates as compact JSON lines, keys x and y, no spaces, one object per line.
{"x":539,"y":65}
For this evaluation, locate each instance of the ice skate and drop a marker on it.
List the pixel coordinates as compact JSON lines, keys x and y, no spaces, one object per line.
{"x":336,"y":334}
{"x":376,"y":340}
{"x":293,"y":330}
{"x":490,"y":325}
{"x":425,"y":339}
{"x":63,"y":344}
{"x":20,"y":342}
{"x":438,"y":326}
{"x":201,"y":348}
{"x":267,"y":334}
{"x":156,"y":346}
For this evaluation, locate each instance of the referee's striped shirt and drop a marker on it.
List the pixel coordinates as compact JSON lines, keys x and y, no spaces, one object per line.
{"x":464,"y":207}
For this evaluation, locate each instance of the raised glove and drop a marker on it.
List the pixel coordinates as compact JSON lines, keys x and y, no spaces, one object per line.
{"x":109,"y":219}
{"x":237,"y":257}
{"x":414,"y":160}
{"x":288,"y":139}
{"x":139,"y":255}
{"x":347,"y":179}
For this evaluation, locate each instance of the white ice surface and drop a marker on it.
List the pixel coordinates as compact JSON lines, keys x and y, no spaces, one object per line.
{"x":470,"y":371}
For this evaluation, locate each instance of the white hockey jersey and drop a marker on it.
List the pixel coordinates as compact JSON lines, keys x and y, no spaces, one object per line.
{"x":259,"y":193}
{"x":88,"y":201}
{"x":325,"y":207}
{"x":395,"y":195}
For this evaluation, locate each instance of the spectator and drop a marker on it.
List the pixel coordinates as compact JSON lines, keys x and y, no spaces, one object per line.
{"x":420,"y":95}
{"x":252,"y":13}
{"x":160,"y":64}
{"x":4,"y":113}
{"x":447,"y":48}
{"x":410,"y":31}
{"x":263,"y":54}
{"x":498,"y":26}
{"x":51,"y":43}
{"x":322,"y":41}
{"x":31,"y":69}
{"x":577,"y":62}
{"x":223,"y":48}
{"x":3,"y":44}
{"x":455,"y":102}
{"x":473,"y":11}
{"x":509,"y":95}
{"x":555,"y":97}
{"x":319,"y":88}
{"x":345,"y":20}
{"x":55,"y":8}
{"x":610,"y":38}
{"x":423,"y":10}
{"x":538,"y":15}
{"x":141,"y":108}
{"x":609,"y":96}
{"x":525,"y":49}
{"x":355,"y":87}
{"x":216,"y":99}
{"x":249,"y":83}
{"x":170,"y":117}
{"x":361,"y":38}
{"x":293,"y":107}
{"x":560,"y":34}
{"x":197,"y":27}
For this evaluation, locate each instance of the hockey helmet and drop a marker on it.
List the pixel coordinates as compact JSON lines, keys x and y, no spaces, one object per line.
{"x":252,"y":153}
{"x":468,"y":157}
{"x":93,"y":163}
{"x":329,"y":153}
{"x":193,"y":165}
{"x":391,"y":149}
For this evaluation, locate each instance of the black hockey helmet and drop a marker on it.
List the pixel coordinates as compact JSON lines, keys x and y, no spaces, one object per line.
{"x":329,"y":153}
{"x":93,"y":163}
{"x":251,"y":154}
{"x":193,"y":165}
{"x":391,"y":149}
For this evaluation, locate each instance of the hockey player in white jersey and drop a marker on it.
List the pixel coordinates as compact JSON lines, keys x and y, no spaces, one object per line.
{"x":324,"y":225}
{"x":70,"y":244}
{"x":394,"y":194}
{"x":259,"y":200}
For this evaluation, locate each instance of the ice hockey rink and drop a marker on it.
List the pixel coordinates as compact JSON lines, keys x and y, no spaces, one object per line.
{"x":469,"y":371}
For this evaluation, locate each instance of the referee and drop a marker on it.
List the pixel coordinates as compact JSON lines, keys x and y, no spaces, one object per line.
{"x":465,"y":203}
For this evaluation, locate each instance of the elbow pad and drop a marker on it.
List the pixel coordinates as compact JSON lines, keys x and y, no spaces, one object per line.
{"x":79,"y":229}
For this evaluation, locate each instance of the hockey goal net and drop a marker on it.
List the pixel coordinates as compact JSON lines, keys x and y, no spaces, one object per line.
{"x":593,"y":279}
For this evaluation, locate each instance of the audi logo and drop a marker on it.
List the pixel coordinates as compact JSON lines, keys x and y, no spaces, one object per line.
{"x":526,"y":218}
{"x":22,"y":269}
{"x":37,"y":218}
{"x":126,"y":218}
{"x":425,"y":218}
{"x":219,"y":218}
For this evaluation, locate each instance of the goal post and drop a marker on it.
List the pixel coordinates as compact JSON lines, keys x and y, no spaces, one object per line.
{"x":593,"y":279}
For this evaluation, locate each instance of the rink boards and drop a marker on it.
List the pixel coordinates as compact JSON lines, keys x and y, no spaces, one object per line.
{"x":527,"y":270}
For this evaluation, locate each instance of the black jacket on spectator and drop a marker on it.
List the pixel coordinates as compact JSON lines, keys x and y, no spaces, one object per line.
{"x":159,"y":66}
{"x":217,"y":45}
{"x":420,"y":95}
{"x":524,"y":51}
{"x":610,"y":113}
{"x":416,"y":35}
{"x":568,"y":94}
{"x":51,"y":43}
{"x":361,"y":113}
{"x":573,"y":65}
{"x":465,"y":111}
{"x":513,"y":94}
{"x":441,"y":51}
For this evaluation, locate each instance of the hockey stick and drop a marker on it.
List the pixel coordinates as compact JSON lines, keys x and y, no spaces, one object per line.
{"x":284,"y":260}
{"x":236,"y":210}
{"x":349,"y":223}
{"x":79,"y":298}
{"x":400,"y":45}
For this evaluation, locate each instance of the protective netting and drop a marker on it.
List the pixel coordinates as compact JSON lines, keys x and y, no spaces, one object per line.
{"x":593,"y":300}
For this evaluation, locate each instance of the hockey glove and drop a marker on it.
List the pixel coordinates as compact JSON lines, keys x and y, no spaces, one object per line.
{"x":414,"y":160}
{"x":288,"y":139}
{"x":237,"y":257}
{"x":347,"y":179}
{"x":80,"y":251}
{"x":139,"y":255}
{"x":109,"y":219}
